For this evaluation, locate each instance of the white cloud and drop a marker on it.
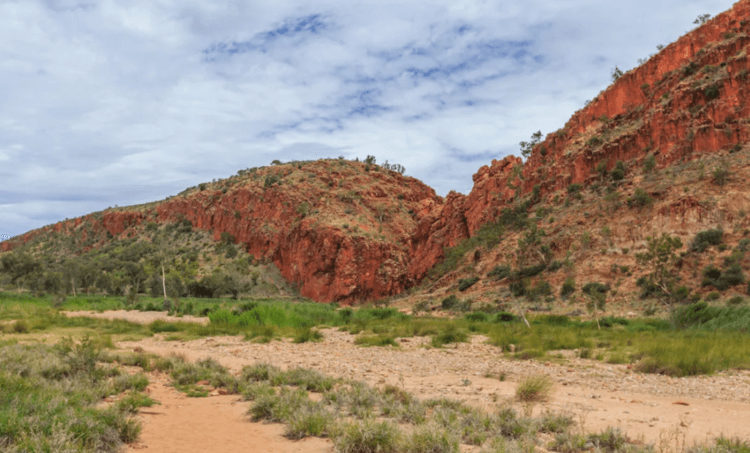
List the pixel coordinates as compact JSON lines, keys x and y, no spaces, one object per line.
{"x":105,"y":97}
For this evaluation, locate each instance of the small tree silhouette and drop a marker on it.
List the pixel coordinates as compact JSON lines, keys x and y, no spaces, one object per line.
{"x":616,"y":74}
{"x":702,"y":19}
{"x":527,"y":147}
{"x":597,"y":293}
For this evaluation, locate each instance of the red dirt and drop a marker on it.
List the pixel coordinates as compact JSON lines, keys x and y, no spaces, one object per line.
{"x":217,"y":424}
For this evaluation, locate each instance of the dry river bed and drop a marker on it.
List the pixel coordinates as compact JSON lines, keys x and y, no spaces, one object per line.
{"x":658,"y":409}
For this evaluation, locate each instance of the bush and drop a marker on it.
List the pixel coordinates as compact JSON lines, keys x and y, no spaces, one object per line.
{"x":723,"y":280}
{"x":21,"y":326}
{"x":639,"y":199}
{"x":305,"y":334}
{"x":376,"y":340}
{"x":431,"y":438}
{"x":610,"y":440}
{"x":504,"y":316}
{"x":649,"y":163}
{"x":618,"y":173}
{"x":530,"y":271}
{"x":736,"y":300}
{"x":466,"y":283}
{"x":450,"y":335}
{"x":367,"y":436}
{"x":542,"y":288}
{"x":568,"y":287}
{"x":270,"y":181}
{"x":500,"y":272}
{"x":712,"y":92}
{"x":517,"y":288}
{"x":449,"y":302}
{"x":705,"y":239}
{"x":720,"y":175}
{"x":313,"y":420}
{"x":534,"y":389}
{"x":477,"y":316}
{"x":574,"y":189}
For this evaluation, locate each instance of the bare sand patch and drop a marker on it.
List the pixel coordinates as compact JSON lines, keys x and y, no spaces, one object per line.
{"x":214,"y":424}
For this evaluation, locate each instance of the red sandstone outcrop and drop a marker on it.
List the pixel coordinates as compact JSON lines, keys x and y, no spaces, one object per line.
{"x":660,"y":108}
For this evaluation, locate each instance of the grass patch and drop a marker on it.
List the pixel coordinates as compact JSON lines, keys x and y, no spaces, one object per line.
{"x":48,"y":397}
{"x":534,"y":389}
{"x":376,"y":340}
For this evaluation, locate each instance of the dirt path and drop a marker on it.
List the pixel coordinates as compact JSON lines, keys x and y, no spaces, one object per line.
{"x":657,"y":409}
{"x":217,"y":423}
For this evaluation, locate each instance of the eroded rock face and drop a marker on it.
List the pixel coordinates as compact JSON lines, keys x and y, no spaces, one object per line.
{"x":690,"y":98}
{"x":664,"y":108}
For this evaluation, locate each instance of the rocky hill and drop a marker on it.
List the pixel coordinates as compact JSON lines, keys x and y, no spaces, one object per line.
{"x":337,"y":229}
{"x":660,"y":151}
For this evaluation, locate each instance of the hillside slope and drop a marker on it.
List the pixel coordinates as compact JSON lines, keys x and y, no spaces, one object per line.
{"x":664,"y":129}
{"x":338,"y":230}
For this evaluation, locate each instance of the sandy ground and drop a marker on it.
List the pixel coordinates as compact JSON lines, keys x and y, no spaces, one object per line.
{"x":214,"y":424}
{"x":657,"y":409}
{"x":140,"y":317}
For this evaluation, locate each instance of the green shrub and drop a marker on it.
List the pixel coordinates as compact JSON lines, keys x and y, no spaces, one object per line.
{"x":451,"y":334}
{"x":376,"y":340}
{"x":530,"y":271}
{"x":367,"y":436}
{"x":649,"y":163}
{"x":21,"y":326}
{"x":720,"y":175}
{"x":259,"y":372}
{"x":712,"y":92}
{"x":311,"y":420}
{"x":611,"y":440}
{"x":556,"y":422}
{"x":601,"y":168}
{"x":270,"y":181}
{"x":449,"y":302}
{"x":722,"y":280}
{"x":736,"y":300}
{"x":279,"y":408}
{"x":639,"y":199}
{"x":500,"y":272}
{"x":477,"y":316}
{"x":517,"y":288}
{"x":542,"y":288}
{"x":575,"y":189}
{"x":618,"y":173}
{"x":568,"y":287}
{"x":431,"y":438}
{"x":594,"y":141}
{"x":304,"y":378}
{"x":305,"y":334}
{"x":705,"y":239}
{"x":534,"y":388}
{"x":466,"y":283}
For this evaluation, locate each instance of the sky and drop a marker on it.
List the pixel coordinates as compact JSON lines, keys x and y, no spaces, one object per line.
{"x":106,"y":103}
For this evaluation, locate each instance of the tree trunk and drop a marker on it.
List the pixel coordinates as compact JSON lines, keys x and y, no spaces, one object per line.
{"x":73,"y":285}
{"x":163,"y":282}
{"x":523,"y":315}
